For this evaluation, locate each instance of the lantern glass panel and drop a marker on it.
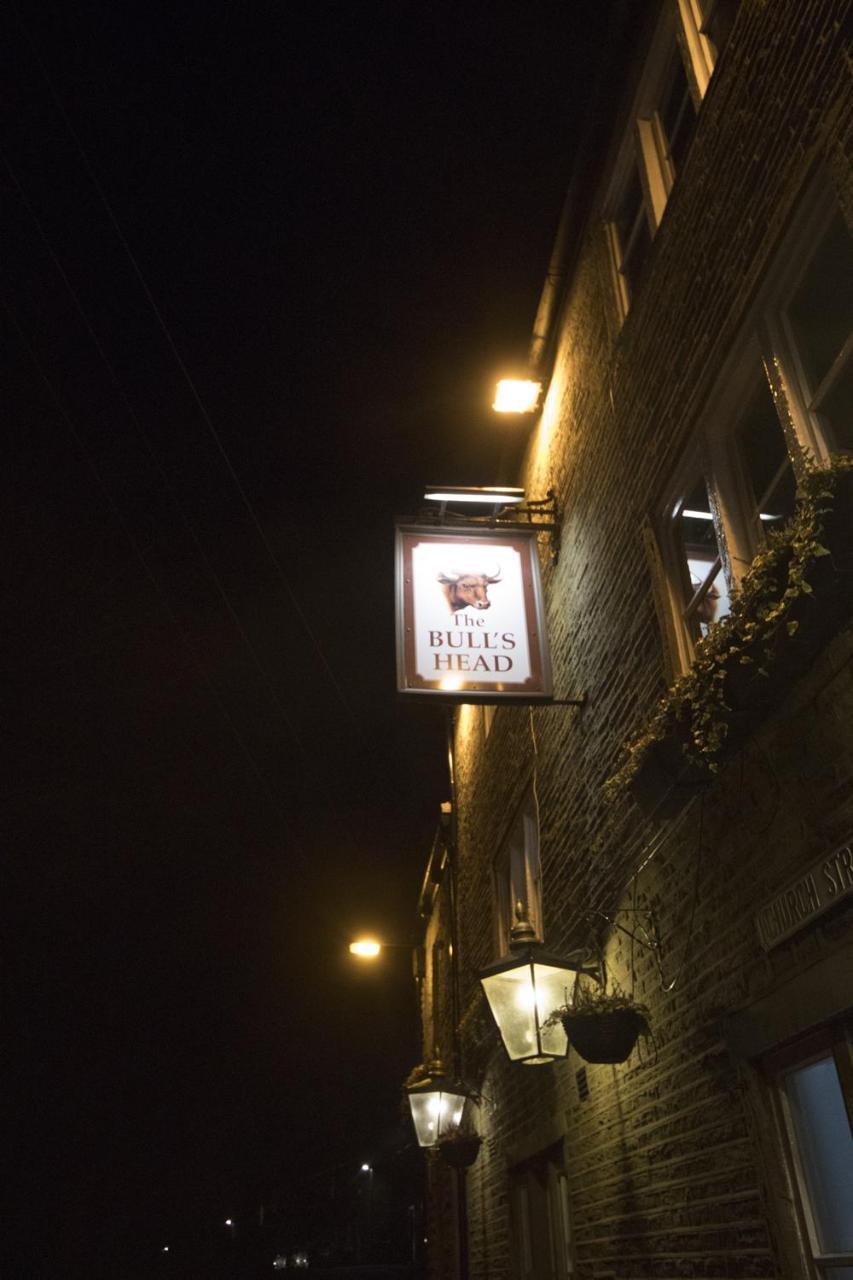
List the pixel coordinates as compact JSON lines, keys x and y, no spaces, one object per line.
{"x":436,"y":1112}
{"x":521,"y":999}
{"x":551,"y":992}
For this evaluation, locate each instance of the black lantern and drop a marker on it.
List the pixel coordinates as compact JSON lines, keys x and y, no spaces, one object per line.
{"x":523,"y":989}
{"x":440,"y":1107}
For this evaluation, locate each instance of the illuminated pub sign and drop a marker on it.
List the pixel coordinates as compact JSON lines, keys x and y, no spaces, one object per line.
{"x":469,"y":615}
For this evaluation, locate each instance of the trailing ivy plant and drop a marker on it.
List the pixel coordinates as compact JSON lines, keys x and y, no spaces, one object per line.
{"x":695,"y":706}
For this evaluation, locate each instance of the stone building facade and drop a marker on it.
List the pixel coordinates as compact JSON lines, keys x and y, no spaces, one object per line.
{"x":694,"y":342}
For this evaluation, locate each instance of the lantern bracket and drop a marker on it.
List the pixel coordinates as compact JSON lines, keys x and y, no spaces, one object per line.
{"x":651,"y":941}
{"x":541,"y":514}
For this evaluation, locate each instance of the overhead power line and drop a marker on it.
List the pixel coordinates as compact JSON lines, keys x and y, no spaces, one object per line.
{"x":194,"y":392}
{"x":167,"y":484}
{"x":149,"y":572}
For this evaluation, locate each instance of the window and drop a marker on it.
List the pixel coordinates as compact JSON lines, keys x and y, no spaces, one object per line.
{"x":541,"y":1224}
{"x":706,"y":25}
{"x":812,"y":335}
{"x":704,"y":585}
{"x":516,"y":873}
{"x":663,"y":120}
{"x":789,"y":382}
{"x":815,"y":1106}
{"x":630,"y":238}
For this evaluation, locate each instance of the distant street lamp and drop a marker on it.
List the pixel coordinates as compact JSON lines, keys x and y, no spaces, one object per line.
{"x":365,"y":948}
{"x":523,"y":988}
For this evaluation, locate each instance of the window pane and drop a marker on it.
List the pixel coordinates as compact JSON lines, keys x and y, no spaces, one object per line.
{"x":826,"y":1151}
{"x":702,"y":559}
{"x":821,"y":313}
{"x":633,"y":230}
{"x":677,"y":115}
{"x":715,"y":602}
{"x":837,"y":407}
{"x":717,"y":20}
{"x":764,"y":453}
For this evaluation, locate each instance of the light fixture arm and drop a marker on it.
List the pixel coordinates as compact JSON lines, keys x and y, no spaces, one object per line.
{"x":651,"y":941}
{"x":541,"y":514}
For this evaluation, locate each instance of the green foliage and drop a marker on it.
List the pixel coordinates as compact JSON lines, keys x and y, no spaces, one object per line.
{"x":592,"y":1001}
{"x":748,"y":636}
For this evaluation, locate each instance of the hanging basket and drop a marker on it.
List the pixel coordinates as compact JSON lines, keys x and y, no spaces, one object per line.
{"x":605,"y":1036}
{"x":460,"y":1152}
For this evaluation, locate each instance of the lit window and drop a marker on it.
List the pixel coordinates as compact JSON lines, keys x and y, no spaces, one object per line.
{"x":705,"y":591}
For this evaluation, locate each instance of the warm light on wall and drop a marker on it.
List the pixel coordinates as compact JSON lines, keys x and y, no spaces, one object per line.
{"x":516,"y":395}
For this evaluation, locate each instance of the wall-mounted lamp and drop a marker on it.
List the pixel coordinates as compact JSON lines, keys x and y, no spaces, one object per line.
{"x":481,"y":495}
{"x":516,"y":395}
{"x":523,"y":988}
{"x":440,"y":1106}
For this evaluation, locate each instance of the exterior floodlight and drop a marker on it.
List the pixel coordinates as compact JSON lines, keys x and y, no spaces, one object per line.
{"x":483,"y":495}
{"x":366,"y":948}
{"x":516,"y":395}
{"x":523,"y":988}
{"x":439,"y":1106}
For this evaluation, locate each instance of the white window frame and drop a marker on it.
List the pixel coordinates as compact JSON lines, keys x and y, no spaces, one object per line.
{"x":644,"y":149}
{"x":700,"y":50}
{"x":766,"y":343}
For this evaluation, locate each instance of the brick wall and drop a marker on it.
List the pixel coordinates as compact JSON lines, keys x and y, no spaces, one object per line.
{"x":666,"y":1157}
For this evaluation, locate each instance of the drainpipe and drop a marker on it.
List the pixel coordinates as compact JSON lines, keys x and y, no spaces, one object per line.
{"x":455,"y":1006}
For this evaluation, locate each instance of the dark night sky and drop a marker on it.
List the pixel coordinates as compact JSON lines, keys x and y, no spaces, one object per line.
{"x":343,"y":213}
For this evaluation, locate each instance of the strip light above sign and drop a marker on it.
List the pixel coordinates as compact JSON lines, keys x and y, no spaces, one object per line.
{"x":470,"y":624}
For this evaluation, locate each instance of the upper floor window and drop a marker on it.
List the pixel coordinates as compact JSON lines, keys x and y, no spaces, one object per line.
{"x":704,"y":582}
{"x":788,"y":383}
{"x":706,"y":25}
{"x":817,"y":337}
{"x":662,"y":123}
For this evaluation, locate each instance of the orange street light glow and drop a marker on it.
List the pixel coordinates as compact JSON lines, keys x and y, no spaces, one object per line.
{"x":367,"y":948}
{"x":515,"y":395}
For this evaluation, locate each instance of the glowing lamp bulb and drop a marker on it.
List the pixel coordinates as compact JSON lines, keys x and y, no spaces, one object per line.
{"x":366,"y":948}
{"x":516,"y":395}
